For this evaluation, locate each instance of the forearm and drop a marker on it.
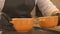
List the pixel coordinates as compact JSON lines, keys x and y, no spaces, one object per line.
{"x":47,"y":7}
{"x":1,"y":4}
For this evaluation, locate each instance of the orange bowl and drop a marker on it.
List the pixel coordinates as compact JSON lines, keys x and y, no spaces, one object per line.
{"x":22,"y":24}
{"x":48,"y":22}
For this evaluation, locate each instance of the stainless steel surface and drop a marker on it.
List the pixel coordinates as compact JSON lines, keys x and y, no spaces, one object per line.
{"x":33,"y":31}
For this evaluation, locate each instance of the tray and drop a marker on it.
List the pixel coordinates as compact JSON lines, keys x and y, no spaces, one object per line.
{"x":35,"y":30}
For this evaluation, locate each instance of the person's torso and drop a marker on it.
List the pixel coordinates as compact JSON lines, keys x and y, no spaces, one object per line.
{"x":15,"y":8}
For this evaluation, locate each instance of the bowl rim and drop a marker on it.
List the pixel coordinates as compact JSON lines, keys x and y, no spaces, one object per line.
{"x":22,"y":18}
{"x":47,"y":17}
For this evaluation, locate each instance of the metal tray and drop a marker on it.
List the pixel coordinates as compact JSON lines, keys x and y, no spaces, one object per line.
{"x":35,"y":30}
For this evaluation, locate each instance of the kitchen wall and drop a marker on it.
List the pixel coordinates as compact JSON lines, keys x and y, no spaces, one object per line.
{"x":57,"y":3}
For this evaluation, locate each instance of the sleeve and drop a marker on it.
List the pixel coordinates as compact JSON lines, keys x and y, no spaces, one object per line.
{"x":47,"y":7}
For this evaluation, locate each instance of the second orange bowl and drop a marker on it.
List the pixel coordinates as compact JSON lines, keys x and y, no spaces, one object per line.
{"x":48,"y":22}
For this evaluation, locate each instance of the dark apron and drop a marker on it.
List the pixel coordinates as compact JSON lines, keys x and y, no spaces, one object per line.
{"x":18,"y":8}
